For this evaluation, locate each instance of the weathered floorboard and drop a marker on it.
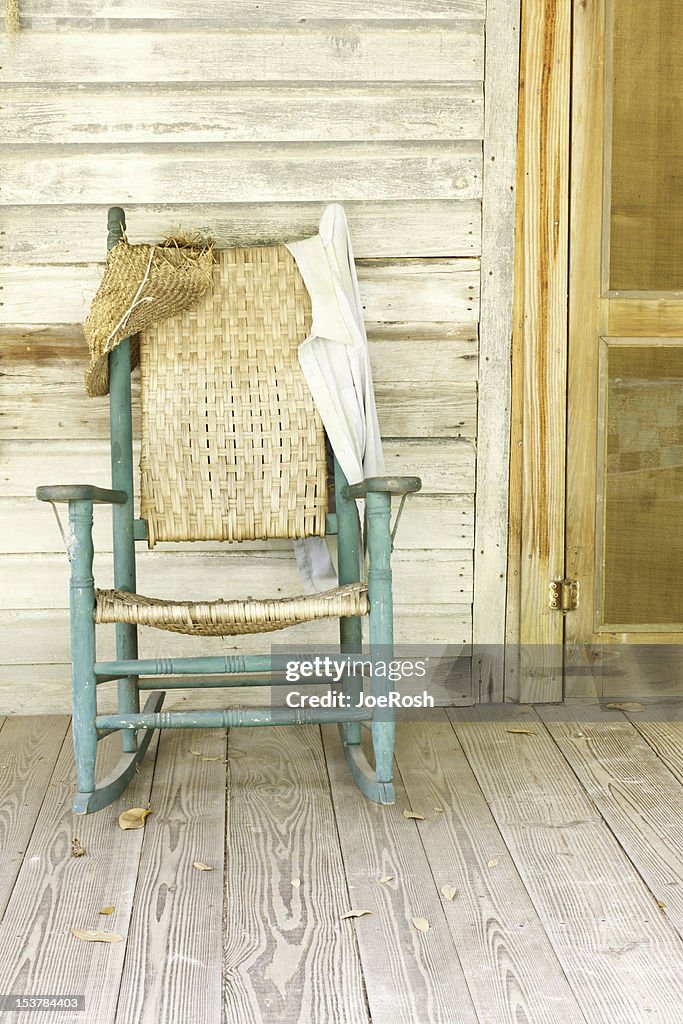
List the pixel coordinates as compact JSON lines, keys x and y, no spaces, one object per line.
{"x":172,"y":969}
{"x":621,"y":956}
{"x":662,"y":727}
{"x":410,"y":975}
{"x":634,"y":791}
{"x":511,"y":969}
{"x":510,"y":850}
{"x":285,"y":887}
{"x":55,"y":892}
{"x":28,"y":751}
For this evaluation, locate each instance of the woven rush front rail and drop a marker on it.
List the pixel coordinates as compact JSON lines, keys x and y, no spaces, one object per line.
{"x":232,"y":445}
{"x":230,"y":618}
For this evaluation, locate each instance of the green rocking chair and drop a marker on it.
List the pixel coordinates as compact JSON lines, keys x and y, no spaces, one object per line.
{"x":232,"y":448}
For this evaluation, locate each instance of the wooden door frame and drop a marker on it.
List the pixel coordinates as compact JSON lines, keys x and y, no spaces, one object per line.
{"x":534,"y":633}
{"x":495,"y":327}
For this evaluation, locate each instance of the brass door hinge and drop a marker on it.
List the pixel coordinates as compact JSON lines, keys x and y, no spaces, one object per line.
{"x":563,"y":595}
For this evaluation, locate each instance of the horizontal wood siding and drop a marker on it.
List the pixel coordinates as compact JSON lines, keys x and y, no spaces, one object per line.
{"x":46,"y":12}
{"x":336,"y":51}
{"x":241,"y":119}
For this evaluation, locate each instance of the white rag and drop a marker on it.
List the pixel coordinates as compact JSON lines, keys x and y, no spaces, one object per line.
{"x":335,"y":362}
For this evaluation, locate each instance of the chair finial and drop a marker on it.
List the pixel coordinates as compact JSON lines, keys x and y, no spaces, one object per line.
{"x":116,"y":226}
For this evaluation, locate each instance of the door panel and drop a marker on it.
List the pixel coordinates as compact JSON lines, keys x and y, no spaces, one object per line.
{"x":645,"y":140}
{"x":624,"y":513}
{"x":640,"y":486}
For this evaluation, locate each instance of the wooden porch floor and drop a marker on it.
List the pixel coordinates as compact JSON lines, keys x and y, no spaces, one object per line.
{"x":563,"y":839}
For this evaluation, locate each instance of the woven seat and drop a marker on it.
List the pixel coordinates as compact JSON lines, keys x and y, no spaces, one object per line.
{"x":230,"y":618}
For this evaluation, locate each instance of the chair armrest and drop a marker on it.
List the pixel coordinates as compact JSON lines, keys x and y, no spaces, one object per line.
{"x":383,"y":484}
{"x":81,"y":492}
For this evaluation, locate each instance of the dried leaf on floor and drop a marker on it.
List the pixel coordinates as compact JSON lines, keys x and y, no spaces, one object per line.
{"x":196,"y":753}
{"x":627,"y":705}
{"x":421,"y":923}
{"x":449,"y":892}
{"x":89,"y":935}
{"x":200,"y":866}
{"x":354,"y":913}
{"x":439,"y":810}
{"x":76,"y":849}
{"x":661,"y":904}
{"x":414,"y":814}
{"x":107,"y":911}
{"x":386,"y":878}
{"x":492,"y":863}
{"x":522,"y":732}
{"x":134,"y":818}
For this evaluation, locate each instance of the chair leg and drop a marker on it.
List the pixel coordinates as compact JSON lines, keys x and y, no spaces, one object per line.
{"x":84,"y":712}
{"x":128,"y":693}
{"x":82,"y":602}
{"x":350,"y":628}
{"x":383,"y":727}
{"x":351,"y":643}
{"x":116,"y":782}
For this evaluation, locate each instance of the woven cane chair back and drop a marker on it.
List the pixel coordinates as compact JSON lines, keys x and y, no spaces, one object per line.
{"x":232,"y":445}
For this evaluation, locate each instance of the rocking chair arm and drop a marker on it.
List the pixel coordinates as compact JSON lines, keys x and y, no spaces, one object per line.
{"x":383,"y":484}
{"x":81,"y":492}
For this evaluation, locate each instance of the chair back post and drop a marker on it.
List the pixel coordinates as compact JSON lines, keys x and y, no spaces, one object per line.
{"x":348,"y":557}
{"x":121,"y":440}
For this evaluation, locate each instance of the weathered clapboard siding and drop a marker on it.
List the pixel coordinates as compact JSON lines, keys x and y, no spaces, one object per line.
{"x":260,"y":173}
{"x":421,"y":577}
{"x":206,"y":113}
{"x":420,"y":227}
{"x":239,"y":11}
{"x":405,"y":410}
{"x":339,"y":51}
{"x":54,"y":354}
{"x":46,"y":634}
{"x":409,"y":299}
{"x":242,"y":120}
{"x":27,"y":526}
{"x":446,"y":467}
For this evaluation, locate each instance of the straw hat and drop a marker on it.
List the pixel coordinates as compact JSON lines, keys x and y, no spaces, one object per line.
{"x":142,"y":284}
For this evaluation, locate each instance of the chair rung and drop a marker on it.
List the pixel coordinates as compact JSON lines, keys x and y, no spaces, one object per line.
{"x":216,"y":664}
{"x":233,"y":717}
{"x":197,"y":682}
